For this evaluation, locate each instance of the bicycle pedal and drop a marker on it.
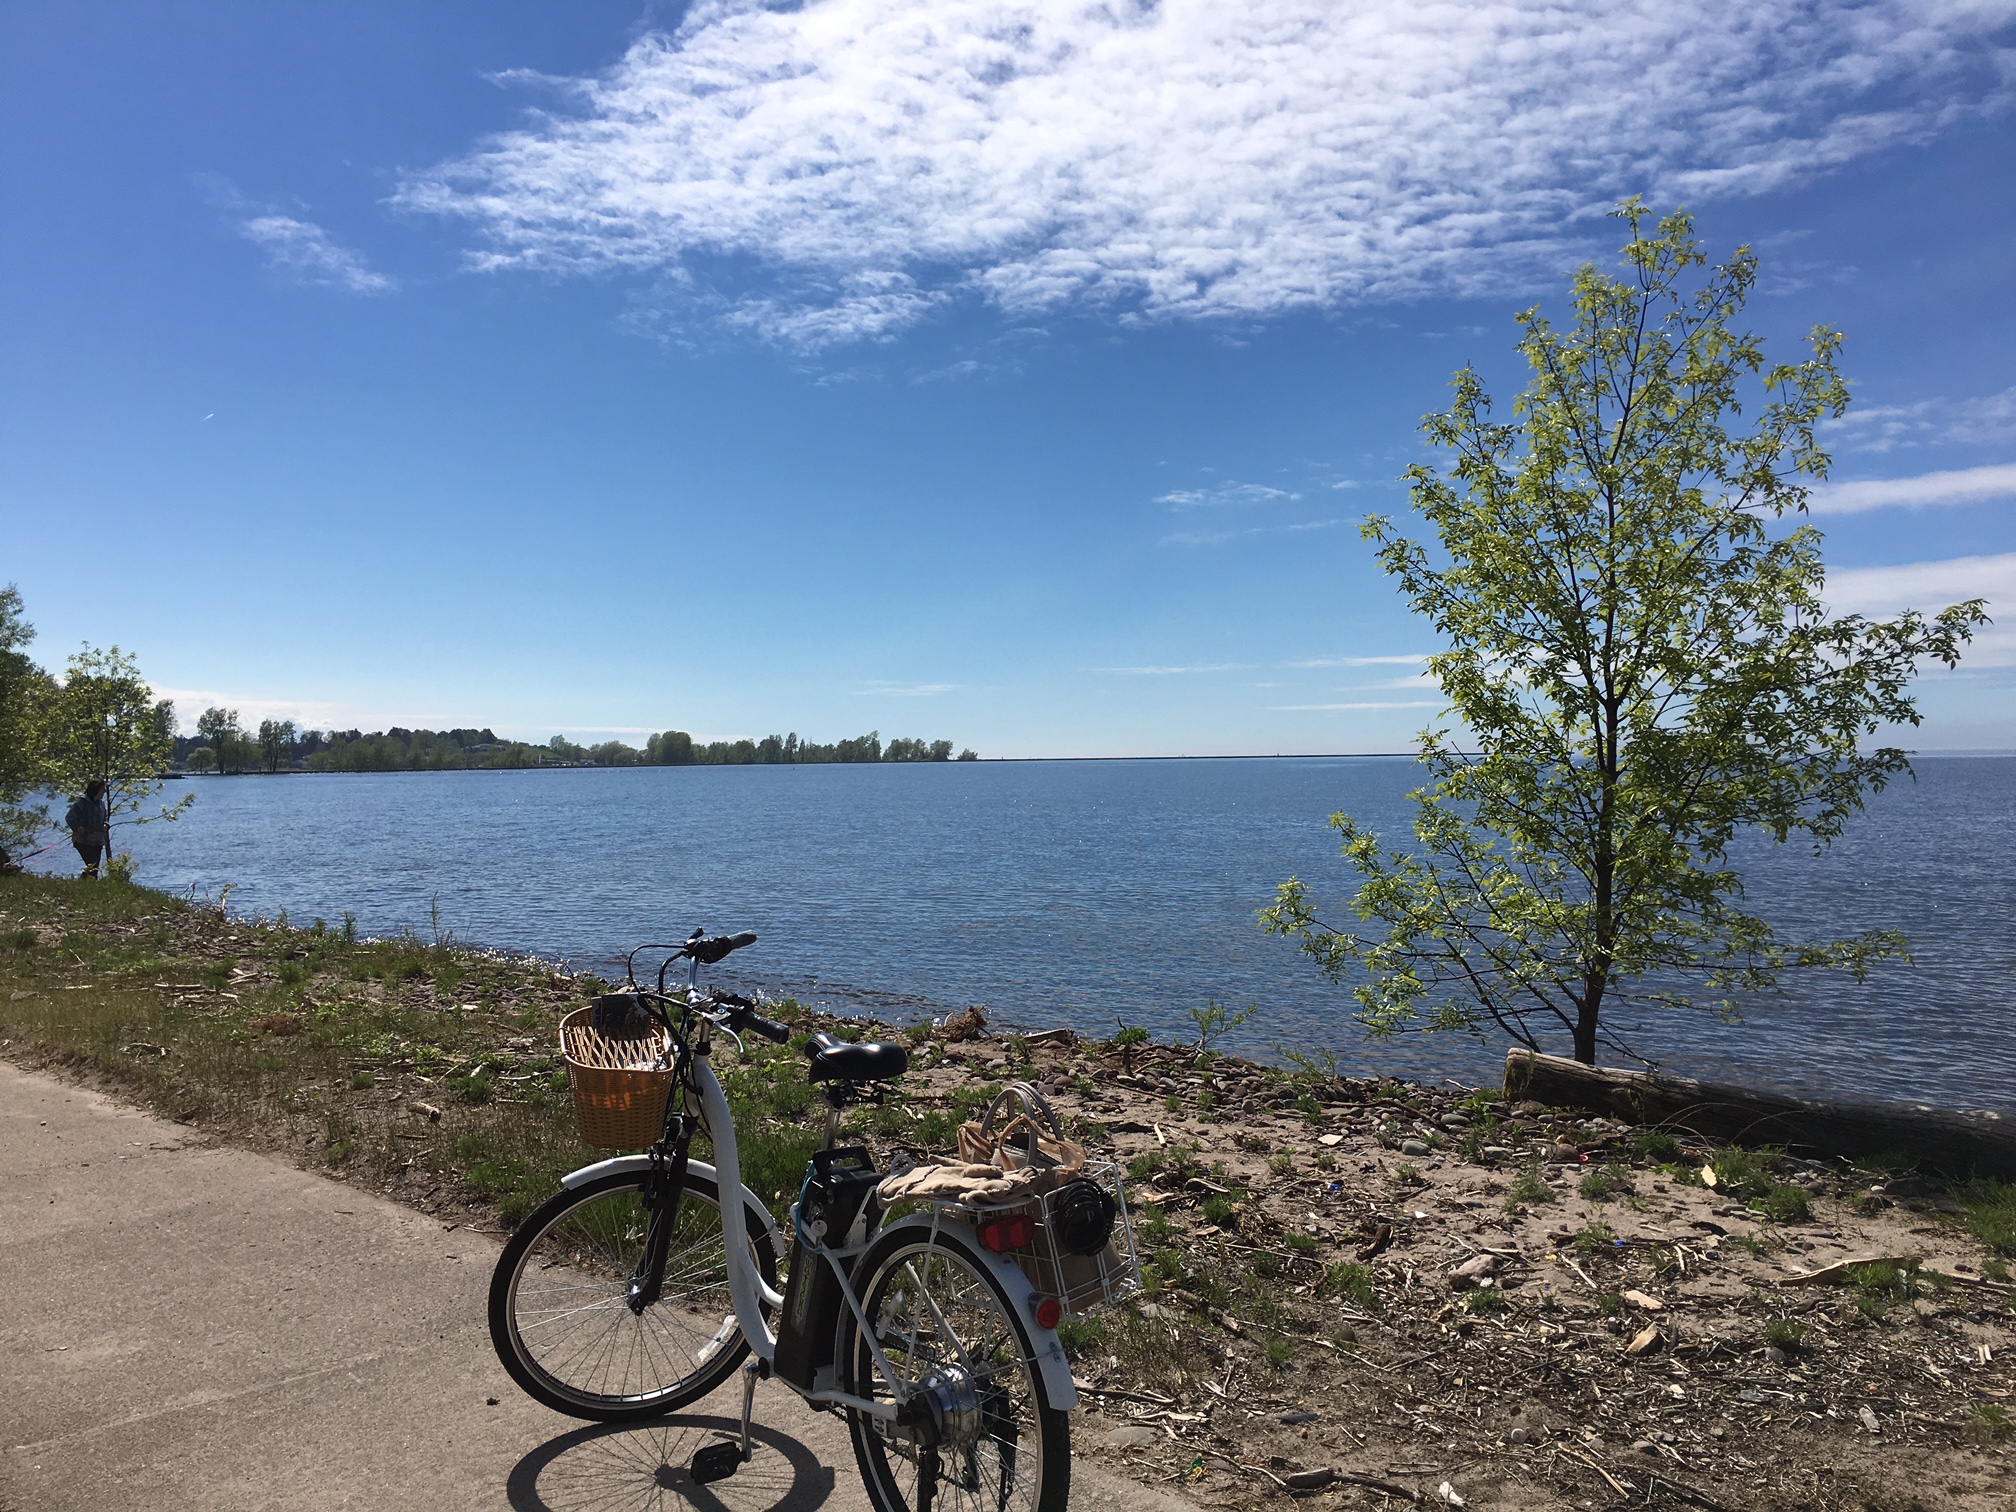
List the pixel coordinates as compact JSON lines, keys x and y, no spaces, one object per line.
{"x":716,"y":1462}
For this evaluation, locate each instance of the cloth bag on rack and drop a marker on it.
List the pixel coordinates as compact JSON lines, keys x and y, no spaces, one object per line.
{"x":1004,"y":1156}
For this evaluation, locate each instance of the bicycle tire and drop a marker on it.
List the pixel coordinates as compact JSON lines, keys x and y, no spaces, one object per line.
{"x":985,"y":1455}
{"x":572,"y":1342}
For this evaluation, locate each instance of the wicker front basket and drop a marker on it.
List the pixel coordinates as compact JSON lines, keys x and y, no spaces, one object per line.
{"x":620,"y":1085}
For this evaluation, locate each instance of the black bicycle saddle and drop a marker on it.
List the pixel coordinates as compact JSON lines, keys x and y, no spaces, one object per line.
{"x":837,"y":1060}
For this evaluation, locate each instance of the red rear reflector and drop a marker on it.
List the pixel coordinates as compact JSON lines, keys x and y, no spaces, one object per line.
{"x":1004,"y":1234}
{"x":1049,"y":1312}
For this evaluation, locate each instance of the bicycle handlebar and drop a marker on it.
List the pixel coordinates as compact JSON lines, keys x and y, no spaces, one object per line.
{"x":742,"y":1015}
{"x":708,"y":950}
{"x":770,"y":1029}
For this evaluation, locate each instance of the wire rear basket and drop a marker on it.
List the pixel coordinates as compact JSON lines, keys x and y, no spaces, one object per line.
{"x":1082,"y":1284}
{"x":620,"y":1085}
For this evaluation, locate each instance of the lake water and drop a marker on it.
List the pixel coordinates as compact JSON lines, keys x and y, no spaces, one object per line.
{"x":1088,"y":893}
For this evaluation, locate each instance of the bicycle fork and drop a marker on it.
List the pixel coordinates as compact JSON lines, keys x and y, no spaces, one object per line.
{"x":662,"y":1189}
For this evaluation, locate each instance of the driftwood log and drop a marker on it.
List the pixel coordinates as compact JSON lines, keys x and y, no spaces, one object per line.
{"x":1959,"y":1144}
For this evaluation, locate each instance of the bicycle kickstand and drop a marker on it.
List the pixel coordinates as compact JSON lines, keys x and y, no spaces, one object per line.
{"x":723,"y":1457}
{"x":750,"y":1372}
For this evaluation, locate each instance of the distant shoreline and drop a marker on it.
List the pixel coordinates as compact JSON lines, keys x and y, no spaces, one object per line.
{"x":1983,"y":754}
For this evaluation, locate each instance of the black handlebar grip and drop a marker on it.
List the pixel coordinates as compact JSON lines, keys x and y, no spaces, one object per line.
{"x":708,"y":951}
{"x":770,"y":1029}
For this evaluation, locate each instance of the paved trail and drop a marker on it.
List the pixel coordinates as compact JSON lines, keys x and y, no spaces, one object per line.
{"x":184,"y":1326}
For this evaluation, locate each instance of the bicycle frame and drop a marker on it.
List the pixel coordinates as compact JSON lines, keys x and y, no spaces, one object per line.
{"x":746,"y":1286}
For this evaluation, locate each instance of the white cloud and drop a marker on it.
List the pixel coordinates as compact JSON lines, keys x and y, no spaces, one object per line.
{"x":1979,"y":421}
{"x":1930,"y":586}
{"x":1174,"y":671}
{"x":304,"y":251}
{"x":1219,"y":537}
{"x":1330,"y":708}
{"x":905,"y":690}
{"x":309,"y":714}
{"x":843,"y":165}
{"x":1225,"y":493}
{"x":1964,"y":486}
{"x":1361,"y":661}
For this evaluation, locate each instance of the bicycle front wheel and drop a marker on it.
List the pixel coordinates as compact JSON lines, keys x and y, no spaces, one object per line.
{"x":951,"y":1335}
{"x":560,"y":1310}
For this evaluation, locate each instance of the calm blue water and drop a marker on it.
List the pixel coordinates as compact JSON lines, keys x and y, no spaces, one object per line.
{"x":1081,"y":893}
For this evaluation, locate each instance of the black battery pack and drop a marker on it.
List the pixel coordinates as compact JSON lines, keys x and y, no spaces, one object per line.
{"x":833,"y":1209}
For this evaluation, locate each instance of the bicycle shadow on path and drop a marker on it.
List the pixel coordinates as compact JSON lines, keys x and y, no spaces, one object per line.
{"x":642,"y":1467}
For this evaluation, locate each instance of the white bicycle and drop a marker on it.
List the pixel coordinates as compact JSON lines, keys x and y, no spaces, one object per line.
{"x":645,"y":1282}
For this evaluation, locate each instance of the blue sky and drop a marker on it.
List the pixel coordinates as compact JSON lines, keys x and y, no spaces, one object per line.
{"x":1010,"y":372}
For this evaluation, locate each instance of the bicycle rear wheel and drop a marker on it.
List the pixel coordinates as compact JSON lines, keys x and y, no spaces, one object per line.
{"x":947,"y":1328}
{"x":560,"y":1315}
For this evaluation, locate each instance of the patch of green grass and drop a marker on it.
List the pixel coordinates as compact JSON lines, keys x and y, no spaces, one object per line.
{"x":1483,"y":1130}
{"x":1485,"y":1300}
{"x":1784,"y":1333}
{"x":363,"y":1081}
{"x":1606,"y":1182}
{"x":1995,"y":1270}
{"x":1218,"y":1210}
{"x":1282,"y":1163}
{"x":1655,"y":1145}
{"x":1612,"y":1303}
{"x":1309,"y":1108}
{"x":1991,"y":1215}
{"x":1750,"y":1244}
{"x":1406,"y":1175}
{"x":1081,"y":1336}
{"x":1529,"y":1189}
{"x":1280,"y":1354}
{"x":774,"y":1157}
{"x":1596,"y":1239}
{"x":1351,"y":1280}
{"x":1302,"y":1244}
{"x":1882,"y":1284}
{"x":1746,"y":1175}
{"x":1991,"y":1422}
{"x":19,"y":939}
{"x":1786,"y":1203}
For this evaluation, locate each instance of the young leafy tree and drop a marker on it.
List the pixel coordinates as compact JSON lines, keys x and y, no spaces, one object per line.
{"x":1639,"y":652}
{"x":24,"y":689}
{"x":275,"y":737}
{"x":103,"y":723}
{"x":218,"y":729}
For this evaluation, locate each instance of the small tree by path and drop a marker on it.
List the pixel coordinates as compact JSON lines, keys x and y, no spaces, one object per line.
{"x":1639,"y":653}
{"x":24,"y":692}
{"x":104,"y":724}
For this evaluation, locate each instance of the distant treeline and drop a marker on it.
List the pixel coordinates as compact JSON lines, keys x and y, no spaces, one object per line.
{"x":220,"y":745}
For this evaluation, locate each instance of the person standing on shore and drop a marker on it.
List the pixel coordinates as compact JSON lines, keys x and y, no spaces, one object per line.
{"x":88,"y":824}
